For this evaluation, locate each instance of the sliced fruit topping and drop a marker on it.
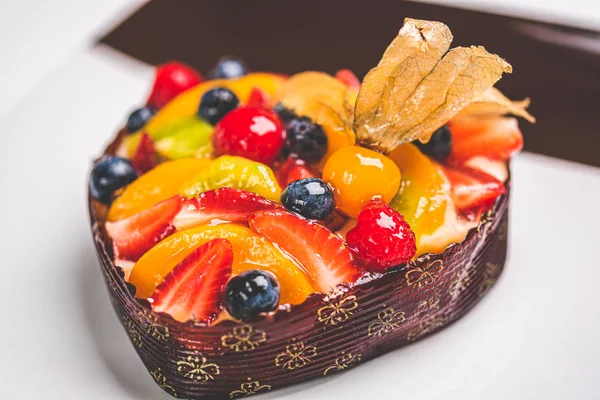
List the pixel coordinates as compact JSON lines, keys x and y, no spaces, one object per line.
{"x":258,"y":98}
{"x":452,"y":230}
{"x":293,"y":169}
{"x":251,"y":132}
{"x":186,"y":104}
{"x":424,"y":194}
{"x":229,"y":67}
{"x":193,"y":290}
{"x":359,"y":175}
{"x":109,"y":175}
{"x":250,"y":251}
{"x":326,"y":101}
{"x":235,"y":172}
{"x":185,"y":137}
{"x":135,"y":235}
{"x":138,"y":118}
{"x":496,"y":168}
{"x":144,"y":158}
{"x":321,"y":254}
{"x":348,"y":78}
{"x":381,"y":238}
{"x":251,"y":293}
{"x":439,"y":145}
{"x":222,"y":205}
{"x":312,"y":198}
{"x":172,"y":79}
{"x":472,"y":188}
{"x":305,"y":139}
{"x":156,"y":185}
{"x":496,"y":138}
{"x":216,"y":103}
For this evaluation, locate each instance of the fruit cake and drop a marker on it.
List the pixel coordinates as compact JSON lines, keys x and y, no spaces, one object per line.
{"x":257,"y":229}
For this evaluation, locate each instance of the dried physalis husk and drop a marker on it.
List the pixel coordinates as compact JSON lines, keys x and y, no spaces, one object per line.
{"x":493,"y":103}
{"x":419,"y":85}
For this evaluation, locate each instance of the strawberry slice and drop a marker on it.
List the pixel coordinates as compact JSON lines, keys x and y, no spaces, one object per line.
{"x":323,"y":256}
{"x":471,"y":188}
{"x":258,"y":98}
{"x":194,"y":288}
{"x":292,"y":170}
{"x":224,"y":204}
{"x":135,"y":235}
{"x":144,"y":158}
{"x":495,"y":138}
{"x":348,"y":78}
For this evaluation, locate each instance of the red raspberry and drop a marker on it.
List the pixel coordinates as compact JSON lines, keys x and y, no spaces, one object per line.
{"x":252,"y":132}
{"x":381,"y":237}
{"x":171,"y":79}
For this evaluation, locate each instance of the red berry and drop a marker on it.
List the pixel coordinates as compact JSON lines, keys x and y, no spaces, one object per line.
{"x":144,"y":158}
{"x":134,"y":236}
{"x":258,"y":98}
{"x":348,"y":78}
{"x":293,"y":169}
{"x":251,"y":132}
{"x":223,"y":204}
{"x":381,"y":237}
{"x":171,"y":79}
{"x":324,"y":256}
{"x":193,"y":290}
{"x":472,"y":188}
{"x":495,"y":138}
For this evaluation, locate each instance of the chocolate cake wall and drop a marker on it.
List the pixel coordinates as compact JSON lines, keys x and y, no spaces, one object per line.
{"x":322,"y":336}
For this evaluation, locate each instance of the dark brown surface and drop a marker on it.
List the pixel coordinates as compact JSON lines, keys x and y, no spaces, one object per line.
{"x":561,"y":77}
{"x":321,"y":336}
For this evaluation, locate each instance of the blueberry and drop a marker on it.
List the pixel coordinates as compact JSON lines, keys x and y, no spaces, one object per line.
{"x":138,"y":118}
{"x":440,"y":144}
{"x":216,"y":103}
{"x":284,"y":114}
{"x":229,"y":67}
{"x":305,"y":139}
{"x":109,"y":175}
{"x":250,"y":293}
{"x":311,"y":197}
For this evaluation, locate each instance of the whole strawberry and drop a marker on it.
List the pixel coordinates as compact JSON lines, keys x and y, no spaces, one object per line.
{"x":171,"y":79}
{"x":381,"y":238}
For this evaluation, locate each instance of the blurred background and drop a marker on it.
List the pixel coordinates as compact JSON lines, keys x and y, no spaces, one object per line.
{"x":72,"y":70}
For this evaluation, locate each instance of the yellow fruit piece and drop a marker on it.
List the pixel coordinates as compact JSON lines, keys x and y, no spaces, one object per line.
{"x":424,"y":195}
{"x":156,"y":185}
{"x":235,"y":172}
{"x":250,"y":251}
{"x":359,"y":175}
{"x":326,"y":101}
{"x":186,"y":104}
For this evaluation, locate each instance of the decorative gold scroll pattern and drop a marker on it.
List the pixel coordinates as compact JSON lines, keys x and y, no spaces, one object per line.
{"x":249,"y":388}
{"x":426,"y":327}
{"x":152,"y":327}
{"x":295,"y":356}
{"x":134,"y":333}
{"x":424,"y":275}
{"x":388,"y":320}
{"x":243,"y":338}
{"x":197,"y":367}
{"x":486,"y":219}
{"x":459,"y":285}
{"x":338,"y":308}
{"x":344,"y":361}
{"x":161,"y":381}
{"x":490,"y":274}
